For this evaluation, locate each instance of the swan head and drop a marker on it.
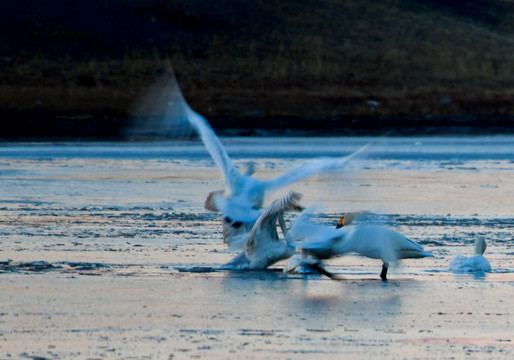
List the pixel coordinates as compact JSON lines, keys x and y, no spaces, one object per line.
{"x":480,"y":246}
{"x":340,"y":224}
{"x":346,"y":219}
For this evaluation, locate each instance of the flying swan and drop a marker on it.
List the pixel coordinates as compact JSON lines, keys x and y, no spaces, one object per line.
{"x":243,"y":197}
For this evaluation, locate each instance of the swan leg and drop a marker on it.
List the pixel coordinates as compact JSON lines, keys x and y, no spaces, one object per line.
{"x":383,"y":274}
{"x":316,"y":267}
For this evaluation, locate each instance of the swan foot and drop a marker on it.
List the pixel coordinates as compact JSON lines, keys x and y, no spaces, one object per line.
{"x":316,"y":267}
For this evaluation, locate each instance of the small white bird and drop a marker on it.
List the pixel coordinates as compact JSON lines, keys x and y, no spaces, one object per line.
{"x":263,"y":246}
{"x":322,"y":242}
{"x":473,"y":263}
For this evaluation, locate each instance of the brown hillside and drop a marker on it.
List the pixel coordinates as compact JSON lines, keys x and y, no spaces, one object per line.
{"x":304,"y":60}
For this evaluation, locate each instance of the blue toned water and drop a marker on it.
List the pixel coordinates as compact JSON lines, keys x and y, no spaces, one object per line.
{"x":92,"y":237}
{"x":410,"y":148}
{"x":440,"y":191}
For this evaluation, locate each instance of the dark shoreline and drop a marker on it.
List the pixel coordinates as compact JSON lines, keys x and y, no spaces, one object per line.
{"x":82,"y":70}
{"x":103,"y":128}
{"x":362,"y":126}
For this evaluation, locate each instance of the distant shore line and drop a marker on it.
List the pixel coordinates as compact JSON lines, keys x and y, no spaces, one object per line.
{"x":98,"y":128}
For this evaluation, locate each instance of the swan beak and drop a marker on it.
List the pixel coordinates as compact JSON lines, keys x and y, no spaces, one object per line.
{"x":298,"y":208}
{"x":340,"y":224}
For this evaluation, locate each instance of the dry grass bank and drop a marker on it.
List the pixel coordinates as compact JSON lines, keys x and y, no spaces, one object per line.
{"x":298,"y":59}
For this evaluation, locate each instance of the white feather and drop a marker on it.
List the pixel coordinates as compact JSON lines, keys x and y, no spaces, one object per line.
{"x":263,"y":246}
{"x":245,"y":193}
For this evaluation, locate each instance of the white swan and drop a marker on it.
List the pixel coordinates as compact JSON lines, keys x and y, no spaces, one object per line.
{"x":473,"y":263}
{"x":322,"y":242}
{"x":244,"y":194}
{"x":263,"y":246}
{"x":305,"y":264}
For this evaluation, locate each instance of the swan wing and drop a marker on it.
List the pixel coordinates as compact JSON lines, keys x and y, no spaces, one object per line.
{"x":307,"y":235}
{"x":313,"y":167}
{"x":301,"y":172}
{"x":264,"y":231}
{"x":212,"y":201}
{"x":213,"y":144}
{"x":407,"y":248}
{"x":237,"y":242}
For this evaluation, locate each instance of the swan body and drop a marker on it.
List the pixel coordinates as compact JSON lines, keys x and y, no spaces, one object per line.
{"x":322,"y":242}
{"x":263,"y":246}
{"x":475,"y":263}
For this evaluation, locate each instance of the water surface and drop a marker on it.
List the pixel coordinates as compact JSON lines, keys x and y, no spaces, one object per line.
{"x":92,"y":236}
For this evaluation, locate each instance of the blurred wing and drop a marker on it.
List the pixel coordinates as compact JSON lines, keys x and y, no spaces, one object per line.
{"x":238,"y":242}
{"x":211,"y":203}
{"x":305,"y":234}
{"x":213,"y":145}
{"x":311,"y":168}
{"x":265,"y":228}
{"x":410,"y":249}
{"x":209,"y":138}
{"x":301,"y":172}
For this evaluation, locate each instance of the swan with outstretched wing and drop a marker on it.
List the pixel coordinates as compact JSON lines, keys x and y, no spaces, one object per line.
{"x":263,"y":245}
{"x":244,"y":194}
{"x":243,"y":197}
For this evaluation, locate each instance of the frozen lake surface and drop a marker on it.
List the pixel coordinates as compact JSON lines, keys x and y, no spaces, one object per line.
{"x":92,"y":235}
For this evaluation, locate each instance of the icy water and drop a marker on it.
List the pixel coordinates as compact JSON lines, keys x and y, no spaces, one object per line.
{"x":92,"y":237}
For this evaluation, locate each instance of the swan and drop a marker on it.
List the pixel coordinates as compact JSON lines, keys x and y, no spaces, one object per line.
{"x":473,"y":263}
{"x":322,"y":242}
{"x":241,"y":200}
{"x":263,"y":246}
{"x":305,"y":264}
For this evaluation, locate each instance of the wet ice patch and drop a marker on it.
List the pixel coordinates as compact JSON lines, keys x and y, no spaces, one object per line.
{"x":27,"y":267}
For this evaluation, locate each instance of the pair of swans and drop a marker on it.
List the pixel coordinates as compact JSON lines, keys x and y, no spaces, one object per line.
{"x":317,"y":242}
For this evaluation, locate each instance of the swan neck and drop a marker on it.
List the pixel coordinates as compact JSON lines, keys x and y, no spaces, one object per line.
{"x":480,"y":246}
